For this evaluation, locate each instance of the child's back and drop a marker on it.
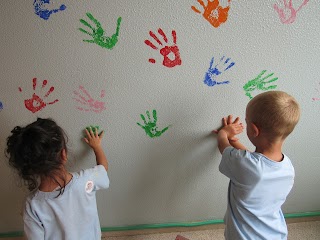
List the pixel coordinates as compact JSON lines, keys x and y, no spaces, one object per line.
{"x":261,"y":180}
{"x":258,"y":187}
{"x":72,"y":215}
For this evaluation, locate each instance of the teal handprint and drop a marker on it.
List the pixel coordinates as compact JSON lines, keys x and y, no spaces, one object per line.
{"x":259,"y":83}
{"x":98,"y":33}
{"x":150,"y":126}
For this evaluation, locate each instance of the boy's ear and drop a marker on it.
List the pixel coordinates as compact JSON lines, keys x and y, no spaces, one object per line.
{"x":64,"y":155}
{"x":256,"y":130}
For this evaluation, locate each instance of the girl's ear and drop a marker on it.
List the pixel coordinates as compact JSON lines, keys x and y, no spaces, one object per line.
{"x":256,"y":130}
{"x":64,"y":155}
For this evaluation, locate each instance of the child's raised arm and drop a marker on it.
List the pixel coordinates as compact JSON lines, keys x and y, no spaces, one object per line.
{"x":226,"y":134}
{"x":93,"y":139}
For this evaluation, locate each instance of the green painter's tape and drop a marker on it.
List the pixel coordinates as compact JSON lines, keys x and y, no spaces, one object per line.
{"x":195,"y":224}
{"x":169,"y":225}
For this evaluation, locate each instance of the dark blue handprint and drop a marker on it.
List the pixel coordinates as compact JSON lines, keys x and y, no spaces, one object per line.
{"x":1,"y":106}
{"x":41,"y":8}
{"x":214,"y":71}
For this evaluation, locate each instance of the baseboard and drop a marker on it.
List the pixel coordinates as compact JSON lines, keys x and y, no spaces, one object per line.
{"x":174,"y":227}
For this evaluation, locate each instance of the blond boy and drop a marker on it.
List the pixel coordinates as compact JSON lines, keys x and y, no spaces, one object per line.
{"x":261,"y":180}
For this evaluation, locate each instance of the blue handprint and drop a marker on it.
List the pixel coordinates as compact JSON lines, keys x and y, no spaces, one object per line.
{"x":214,"y":71}
{"x":1,"y":106}
{"x":40,"y":8}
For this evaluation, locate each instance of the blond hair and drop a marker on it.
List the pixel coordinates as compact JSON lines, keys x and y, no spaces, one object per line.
{"x":275,"y":113}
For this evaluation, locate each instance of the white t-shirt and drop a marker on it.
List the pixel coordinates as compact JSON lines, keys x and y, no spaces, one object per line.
{"x":72,"y":215}
{"x":257,"y":189}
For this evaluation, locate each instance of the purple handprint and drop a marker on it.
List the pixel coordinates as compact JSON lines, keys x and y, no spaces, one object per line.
{"x":214,"y":71}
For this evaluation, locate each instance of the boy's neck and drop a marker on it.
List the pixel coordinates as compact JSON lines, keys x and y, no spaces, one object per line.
{"x":272,"y":151}
{"x":48,"y":184}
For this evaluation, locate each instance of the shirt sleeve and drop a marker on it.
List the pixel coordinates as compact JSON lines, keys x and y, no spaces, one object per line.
{"x":239,"y":166}
{"x":98,"y":176}
{"x":33,"y":228}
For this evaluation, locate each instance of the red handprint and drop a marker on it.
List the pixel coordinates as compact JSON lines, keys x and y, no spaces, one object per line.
{"x":288,"y":14}
{"x":37,"y":103}
{"x":213,"y":12}
{"x":166,"y":50}
{"x":89,"y":104}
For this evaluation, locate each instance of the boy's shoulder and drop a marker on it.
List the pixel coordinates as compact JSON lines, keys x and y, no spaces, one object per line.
{"x":235,"y":162}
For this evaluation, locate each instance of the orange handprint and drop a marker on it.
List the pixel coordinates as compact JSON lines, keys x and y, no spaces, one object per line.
{"x":166,"y":51}
{"x":213,"y":12}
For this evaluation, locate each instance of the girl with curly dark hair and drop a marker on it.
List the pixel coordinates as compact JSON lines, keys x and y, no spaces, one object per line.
{"x":61,"y":205}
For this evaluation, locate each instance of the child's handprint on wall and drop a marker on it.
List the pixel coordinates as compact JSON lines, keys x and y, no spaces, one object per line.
{"x":97,"y":34}
{"x":213,"y":12}
{"x":213,"y":72}
{"x":88,"y":103}
{"x":37,"y":103}
{"x":41,"y":8}
{"x":318,"y":90}
{"x":171,"y":54}
{"x":288,"y":14}
{"x":150,"y":127}
{"x":259,"y":83}
{"x":1,"y":106}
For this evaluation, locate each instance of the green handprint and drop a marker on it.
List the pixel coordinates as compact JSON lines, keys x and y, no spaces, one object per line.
{"x":150,"y":126}
{"x":259,"y":84}
{"x":98,"y":33}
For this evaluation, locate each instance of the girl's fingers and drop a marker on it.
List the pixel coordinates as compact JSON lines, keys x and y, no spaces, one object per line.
{"x":91,"y":132}
{"x":96,"y":132}
{"x":87,"y":132}
{"x":101,"y":134}
{"x":86,"y":140}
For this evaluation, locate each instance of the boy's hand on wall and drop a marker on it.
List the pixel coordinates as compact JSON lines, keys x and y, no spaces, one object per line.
{"x":235,"y":127}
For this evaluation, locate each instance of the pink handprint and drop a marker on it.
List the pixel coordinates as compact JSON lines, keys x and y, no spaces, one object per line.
{"x":166,"y":51}
{"x":89,"y":104}
{"x":37,"y":103}
{"x":318,"y":90}
{"x":288,"y":14}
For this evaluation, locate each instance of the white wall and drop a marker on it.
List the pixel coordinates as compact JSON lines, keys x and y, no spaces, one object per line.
{"x":173,"y":177}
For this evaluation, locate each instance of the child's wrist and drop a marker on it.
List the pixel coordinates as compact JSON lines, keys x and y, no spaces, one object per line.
{"x":223,"y":133}
{"x":97,"y":148}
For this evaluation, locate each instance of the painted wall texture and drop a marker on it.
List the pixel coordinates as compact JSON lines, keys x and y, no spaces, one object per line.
{"x":158,"y":76}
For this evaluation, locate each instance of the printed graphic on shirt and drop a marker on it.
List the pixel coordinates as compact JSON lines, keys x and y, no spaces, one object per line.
{"x":89,"y":186}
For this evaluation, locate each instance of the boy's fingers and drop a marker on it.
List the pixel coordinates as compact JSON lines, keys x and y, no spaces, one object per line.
{"x":224,"y":120}
{"x":86,"y":140}
{"x":229,"y":119}
{"x":96,"y":132}
{"x":236,"y":120}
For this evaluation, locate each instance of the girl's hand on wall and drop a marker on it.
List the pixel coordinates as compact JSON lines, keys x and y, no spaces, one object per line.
{"x":93,"y":139}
